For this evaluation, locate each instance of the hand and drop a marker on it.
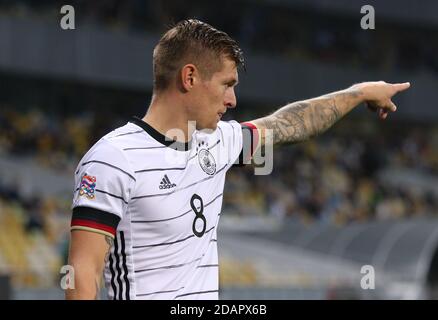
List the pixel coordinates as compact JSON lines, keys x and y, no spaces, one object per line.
{"x":377,"y":96}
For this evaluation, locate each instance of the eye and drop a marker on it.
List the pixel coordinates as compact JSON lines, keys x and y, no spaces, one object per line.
{"x":231,"y":84}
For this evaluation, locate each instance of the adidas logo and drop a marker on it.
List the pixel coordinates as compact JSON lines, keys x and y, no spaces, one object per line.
{"x":166,"y":184}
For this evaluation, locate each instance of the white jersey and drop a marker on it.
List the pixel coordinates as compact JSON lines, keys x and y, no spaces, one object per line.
{"x":161,"y":201}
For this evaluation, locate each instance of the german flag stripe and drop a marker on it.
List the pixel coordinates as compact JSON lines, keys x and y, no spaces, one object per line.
{"x":96,"y":216}
{"x":250,"y":137}
{"x":255,"y":136}
{"x":77,"y":223}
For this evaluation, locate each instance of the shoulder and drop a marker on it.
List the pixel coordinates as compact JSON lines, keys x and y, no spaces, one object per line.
{"x":227,"y":125}
{"x":230,"y":128}
{"x":112,"y":148}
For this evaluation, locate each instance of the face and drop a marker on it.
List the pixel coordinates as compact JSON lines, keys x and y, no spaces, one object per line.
{"x":215,"y":95}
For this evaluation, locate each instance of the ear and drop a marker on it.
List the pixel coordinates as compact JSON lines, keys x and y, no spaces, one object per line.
{"x":189,"y":76}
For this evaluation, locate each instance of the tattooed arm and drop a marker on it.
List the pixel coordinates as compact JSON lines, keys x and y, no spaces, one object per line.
{"x":88,"y":254}
{"x":301,"y":120}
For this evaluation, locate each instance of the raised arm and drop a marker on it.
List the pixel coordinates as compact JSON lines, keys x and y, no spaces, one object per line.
{"x":88,"y":254}
{"x":301,"y":120}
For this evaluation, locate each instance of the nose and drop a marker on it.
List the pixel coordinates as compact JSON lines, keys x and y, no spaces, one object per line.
{"x":230,"y":98}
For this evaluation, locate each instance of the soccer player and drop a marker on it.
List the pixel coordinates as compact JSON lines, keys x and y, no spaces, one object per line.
{"x":148,"y":195}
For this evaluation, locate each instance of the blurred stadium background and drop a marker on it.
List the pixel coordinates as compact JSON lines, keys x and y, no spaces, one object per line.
{"x":364,"y":193}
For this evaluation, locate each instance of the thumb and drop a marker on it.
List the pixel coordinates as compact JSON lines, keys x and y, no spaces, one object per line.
{"x":401,"y":86}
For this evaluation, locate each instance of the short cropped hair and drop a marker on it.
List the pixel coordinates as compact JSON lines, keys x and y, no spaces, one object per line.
{"x":196,"y":42}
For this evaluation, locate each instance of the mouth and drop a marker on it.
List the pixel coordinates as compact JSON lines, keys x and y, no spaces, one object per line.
{"x":220,"y":114}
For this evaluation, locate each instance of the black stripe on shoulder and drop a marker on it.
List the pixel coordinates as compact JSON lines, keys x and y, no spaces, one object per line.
{"x":222,"y":135}
{"x":144,"y":148}
{"x":109,"y":165}
{"x":159,"y":169}
{"x":127,"y":133}
{"x":112,"y":195}
{"x":192,"y":156}
{"x":217,"y":142}
{"x":96,"y":215}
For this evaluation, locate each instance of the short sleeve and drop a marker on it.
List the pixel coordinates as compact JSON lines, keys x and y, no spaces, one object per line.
{"x":250,"y":143}
{"x":104,"y":182}
{"x":232,"y":135}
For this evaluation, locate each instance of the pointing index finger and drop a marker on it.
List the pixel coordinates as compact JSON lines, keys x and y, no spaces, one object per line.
{"x":401,"y":86}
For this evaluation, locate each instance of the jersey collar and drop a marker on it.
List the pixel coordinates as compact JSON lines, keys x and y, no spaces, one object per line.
{"x":176,"y":145}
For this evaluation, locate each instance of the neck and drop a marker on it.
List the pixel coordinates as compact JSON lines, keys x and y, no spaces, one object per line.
{"x":169,"y":117}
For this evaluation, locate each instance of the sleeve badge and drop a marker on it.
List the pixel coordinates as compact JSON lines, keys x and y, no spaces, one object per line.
{"x":88,"y":186}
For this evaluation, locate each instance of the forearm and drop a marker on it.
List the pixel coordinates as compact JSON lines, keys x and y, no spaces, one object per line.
{"x":87,"y":284}
{"x":301,"y":120}
{"x":88,"y":254}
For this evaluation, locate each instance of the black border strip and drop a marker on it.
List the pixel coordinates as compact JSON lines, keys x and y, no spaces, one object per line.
{"x":96,"y":215}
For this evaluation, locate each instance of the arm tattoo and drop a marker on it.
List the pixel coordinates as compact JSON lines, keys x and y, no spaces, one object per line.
{"x":299,"y":121}
{"x":110,"y":242}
